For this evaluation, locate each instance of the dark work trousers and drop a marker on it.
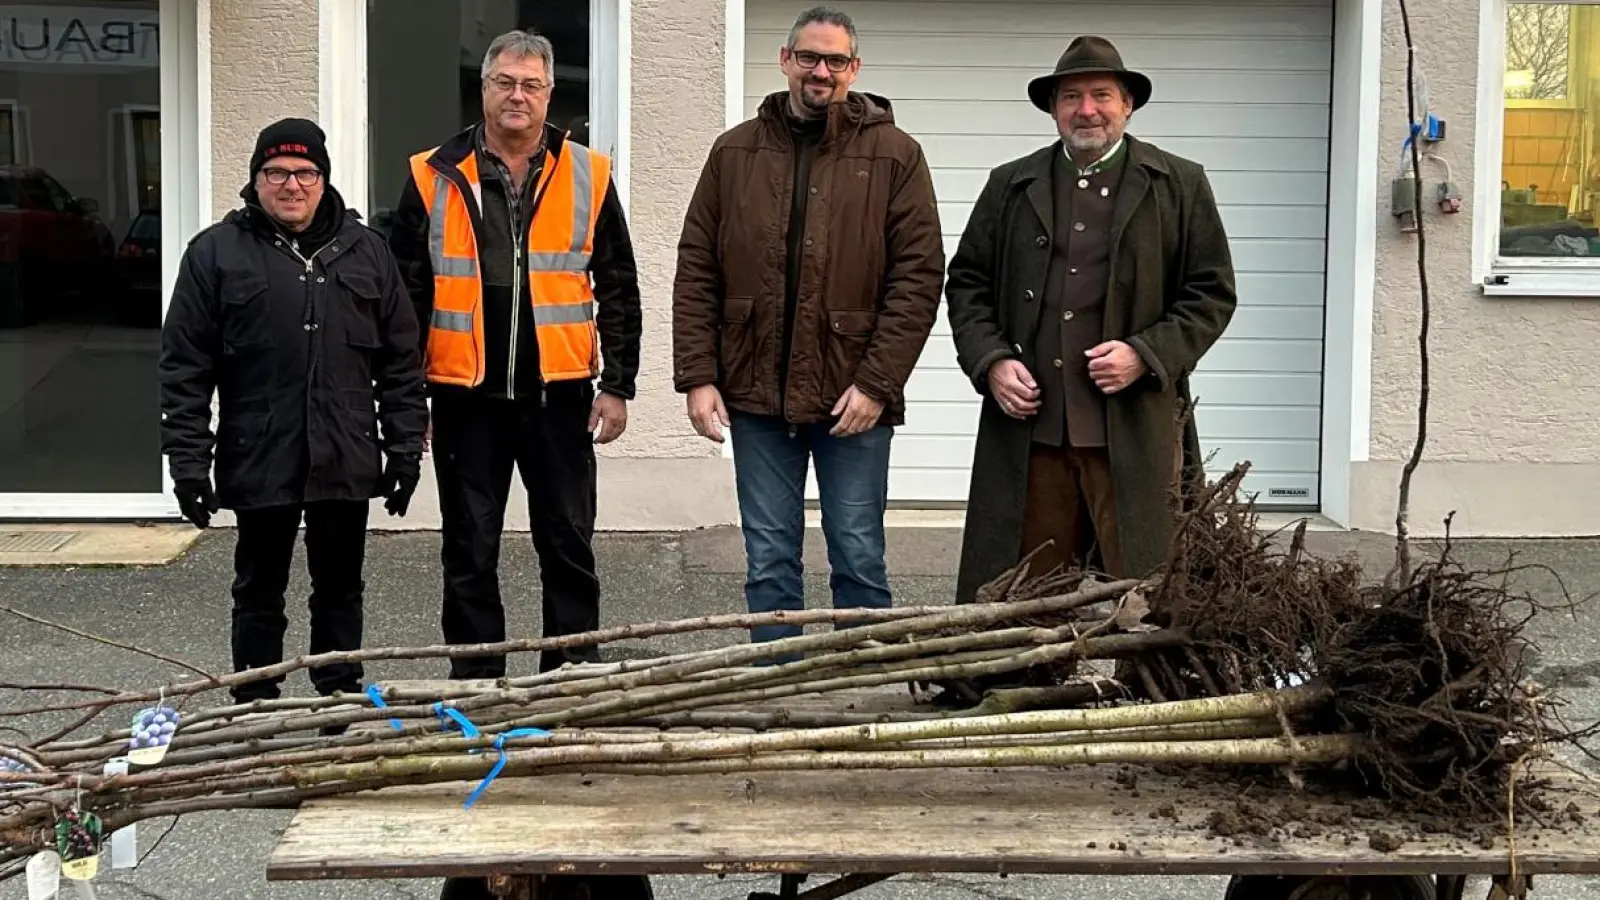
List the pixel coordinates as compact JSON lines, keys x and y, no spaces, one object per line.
{"x":336,"y":539}
{"x":476,"y":442}
{"x":560,"y":887}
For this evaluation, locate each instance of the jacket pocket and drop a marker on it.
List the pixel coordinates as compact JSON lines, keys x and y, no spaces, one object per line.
{"x":244,"y":456}
{"x":849,"y":334}
{"x":740,"y":344}
{"x":355,"y":444}
{"x":361,"y":290}
{"x":355,"y":308}
{"x":246,"y":315}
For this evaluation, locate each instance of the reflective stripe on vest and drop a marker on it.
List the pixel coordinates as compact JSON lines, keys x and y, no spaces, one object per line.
{"x":560,"y":246}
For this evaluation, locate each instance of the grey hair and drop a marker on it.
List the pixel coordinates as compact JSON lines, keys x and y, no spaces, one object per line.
{"x":521,"y":44}
{"x":824,"y":15}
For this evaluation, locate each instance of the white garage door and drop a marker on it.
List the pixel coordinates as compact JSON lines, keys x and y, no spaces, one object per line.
{"x":1242,"y":87}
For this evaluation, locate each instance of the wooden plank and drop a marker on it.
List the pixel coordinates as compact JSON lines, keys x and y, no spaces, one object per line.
{"x":1087,"y":820}
{"x":975,"y":821}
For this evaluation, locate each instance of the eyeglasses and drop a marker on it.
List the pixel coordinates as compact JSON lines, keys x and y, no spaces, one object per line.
{"x":306,"y":177}
{"x":505,"y":85}
{"x":807,"y":59}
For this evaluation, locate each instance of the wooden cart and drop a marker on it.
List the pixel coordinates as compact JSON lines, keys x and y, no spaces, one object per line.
{"x":543,"y":836}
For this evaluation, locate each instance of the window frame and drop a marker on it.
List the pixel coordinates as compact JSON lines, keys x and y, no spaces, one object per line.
{"x":343,"y":104}
{"x":1497,"y":276}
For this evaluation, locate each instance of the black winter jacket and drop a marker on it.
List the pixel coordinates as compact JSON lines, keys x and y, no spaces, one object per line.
{"x":618,"y":315}
{"x":309,"y":350}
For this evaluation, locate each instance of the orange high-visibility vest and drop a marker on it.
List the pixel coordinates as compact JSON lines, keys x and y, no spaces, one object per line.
{"x":560,"y":243}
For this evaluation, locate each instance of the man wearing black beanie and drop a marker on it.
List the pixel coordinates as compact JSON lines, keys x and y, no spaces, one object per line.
{"x":293,"y":313}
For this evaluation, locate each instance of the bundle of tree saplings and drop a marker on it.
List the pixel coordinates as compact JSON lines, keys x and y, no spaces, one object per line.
{"x":1241,"y":651}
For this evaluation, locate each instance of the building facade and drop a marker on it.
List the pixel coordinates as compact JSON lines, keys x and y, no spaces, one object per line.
{"x":125,"y":127}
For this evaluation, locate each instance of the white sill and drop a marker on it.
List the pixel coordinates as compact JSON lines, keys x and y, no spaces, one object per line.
{"x":1555,"y":281}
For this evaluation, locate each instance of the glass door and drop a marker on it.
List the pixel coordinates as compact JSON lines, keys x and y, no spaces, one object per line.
{"x":81,"y":276}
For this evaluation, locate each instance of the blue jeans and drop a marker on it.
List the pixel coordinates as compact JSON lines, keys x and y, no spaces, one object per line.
{"x":770,"y":463}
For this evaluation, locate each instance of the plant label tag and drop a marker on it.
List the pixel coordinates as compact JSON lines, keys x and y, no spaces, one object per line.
{"x":83,"y":869}
{"x":125,"y":840}
{"x":153,"y":729}
{"x":78,"y":837}
{"x":44,"y":876}
{"x":12,"y":766}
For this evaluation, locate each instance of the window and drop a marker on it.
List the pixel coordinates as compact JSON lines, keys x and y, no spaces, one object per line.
{"x":1539,"y":221}
{"x":8,"y":135}
{"x":423,"y":77}
{"x":79,"y":317}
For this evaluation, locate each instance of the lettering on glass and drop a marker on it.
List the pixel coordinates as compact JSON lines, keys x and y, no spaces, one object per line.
{"x":79,"y":36}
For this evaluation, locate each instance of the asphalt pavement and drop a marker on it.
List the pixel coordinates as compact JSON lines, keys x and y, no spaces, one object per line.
{"x":182,"y":609}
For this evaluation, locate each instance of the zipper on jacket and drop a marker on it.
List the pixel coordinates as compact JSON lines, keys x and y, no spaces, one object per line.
{"x":311,"y":307}
{"x":516,"y":300}
{"x":310,"y":264}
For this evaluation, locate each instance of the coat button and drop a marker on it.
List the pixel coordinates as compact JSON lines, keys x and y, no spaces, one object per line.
{"x":813,"y":191}
{"x":1066,"y":316}
{"x":1041,"y":241}
{"x":1027,"y":295}
{"x":1056,"y":363}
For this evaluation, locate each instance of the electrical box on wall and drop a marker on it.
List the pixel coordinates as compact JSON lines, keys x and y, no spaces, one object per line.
{"x":1403,"y":202}
{"x":1433,"y":129}
{"x":1448,"y":197}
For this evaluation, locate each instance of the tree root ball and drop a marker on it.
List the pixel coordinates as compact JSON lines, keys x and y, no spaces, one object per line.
{"x":1430,"y":666}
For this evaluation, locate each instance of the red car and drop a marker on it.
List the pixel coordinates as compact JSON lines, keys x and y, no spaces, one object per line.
{"x":53,"y":248}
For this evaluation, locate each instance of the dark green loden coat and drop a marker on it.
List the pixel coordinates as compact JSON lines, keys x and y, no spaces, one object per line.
{"x":1171,"y":295}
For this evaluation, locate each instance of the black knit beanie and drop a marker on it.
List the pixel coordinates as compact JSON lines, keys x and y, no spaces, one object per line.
{"x":291,"y":137}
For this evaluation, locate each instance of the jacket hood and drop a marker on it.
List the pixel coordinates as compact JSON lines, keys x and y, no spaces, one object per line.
{"x":332,"y":217}
{"x":858,"y":111}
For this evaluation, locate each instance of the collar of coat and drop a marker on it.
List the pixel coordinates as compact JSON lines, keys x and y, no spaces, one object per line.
{"x":455,"y":150}
{"x":1037,"y":164}
{"x":1145,"y":163}
{"x":858,"y":111}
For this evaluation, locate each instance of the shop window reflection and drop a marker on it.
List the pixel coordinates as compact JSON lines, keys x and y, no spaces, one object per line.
{"x":80,"y":248}
{"x":423,"y":87}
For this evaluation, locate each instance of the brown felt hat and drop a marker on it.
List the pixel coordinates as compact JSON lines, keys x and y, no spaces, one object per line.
{"x":1085,"y":55}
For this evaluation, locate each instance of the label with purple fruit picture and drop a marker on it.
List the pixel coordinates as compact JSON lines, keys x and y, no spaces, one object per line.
{"x":153,"y":730}
{"x":78,"y":840}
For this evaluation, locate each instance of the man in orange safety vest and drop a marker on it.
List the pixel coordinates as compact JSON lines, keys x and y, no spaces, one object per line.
{"x":515,"y":250}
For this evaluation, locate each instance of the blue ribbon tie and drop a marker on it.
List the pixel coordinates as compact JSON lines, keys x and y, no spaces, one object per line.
{"x":448,"y":714}
{"x":500,"y":748}
{"x":376,"y":697}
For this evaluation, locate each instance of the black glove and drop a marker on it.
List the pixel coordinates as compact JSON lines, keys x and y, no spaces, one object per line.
{"x":195,"y":500}
{"x":400,"y":477}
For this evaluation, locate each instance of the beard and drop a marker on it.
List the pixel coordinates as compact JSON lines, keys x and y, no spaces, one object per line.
{"x":812,"y":101}
{"x":1080,"y":140}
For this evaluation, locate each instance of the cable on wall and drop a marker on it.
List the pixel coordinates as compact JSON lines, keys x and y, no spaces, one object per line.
{"x":1402,"y":569}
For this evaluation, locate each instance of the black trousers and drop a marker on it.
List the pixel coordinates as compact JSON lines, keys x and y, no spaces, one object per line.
{"x":336,"y":538}
{"x":477,"y":440}
{"x":560,"y":887}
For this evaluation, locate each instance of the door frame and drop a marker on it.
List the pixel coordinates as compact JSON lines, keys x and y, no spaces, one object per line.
{"x":342,"y":89}
{"x":186,"y":192}
{"x":19,"y":146}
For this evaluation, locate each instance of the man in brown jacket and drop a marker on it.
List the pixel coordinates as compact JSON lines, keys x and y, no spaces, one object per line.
{"x":808,"y":278}
{"x":1091,"y":278}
